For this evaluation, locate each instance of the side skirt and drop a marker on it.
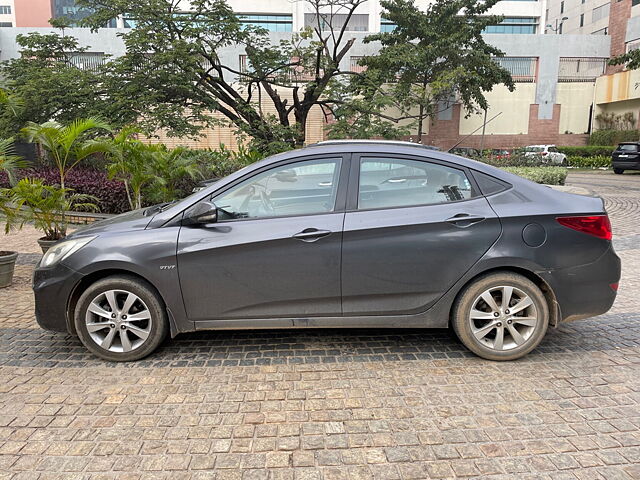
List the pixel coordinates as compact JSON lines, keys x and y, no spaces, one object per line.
{"x":418,"y":321}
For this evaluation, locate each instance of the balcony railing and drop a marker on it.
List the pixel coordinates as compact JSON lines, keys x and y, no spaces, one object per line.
{"x":354,"y":67}
{"x":522,"y":69}
{"x":581,"y":69}
{"x":87,"y":60}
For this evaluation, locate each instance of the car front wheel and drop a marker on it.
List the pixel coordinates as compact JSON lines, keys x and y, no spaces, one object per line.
{"x":121,"y":319}
{"x":618,"y":171}
{"x":501,"y":316}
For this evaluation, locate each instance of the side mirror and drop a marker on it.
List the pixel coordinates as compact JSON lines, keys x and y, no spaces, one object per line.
{"x":203,"y":212}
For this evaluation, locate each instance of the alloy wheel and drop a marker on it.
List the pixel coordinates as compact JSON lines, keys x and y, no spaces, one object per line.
{"x":503,"y":318}
{"x":118,"y":321}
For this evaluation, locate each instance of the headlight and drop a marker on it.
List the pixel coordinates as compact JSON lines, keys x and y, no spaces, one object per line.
{"x":62,"y":250}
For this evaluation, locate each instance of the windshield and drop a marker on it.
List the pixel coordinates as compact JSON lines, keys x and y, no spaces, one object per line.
{"x":534,"y":149}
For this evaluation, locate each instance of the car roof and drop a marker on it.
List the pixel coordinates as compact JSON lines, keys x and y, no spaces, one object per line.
{"x":628,"y":143}
{"x":543,"y":146}
{"x":386,"y":142}
{"x":382,"y":147}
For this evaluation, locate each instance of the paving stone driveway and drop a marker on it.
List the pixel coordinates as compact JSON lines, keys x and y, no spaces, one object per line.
{"x":328,"y":404}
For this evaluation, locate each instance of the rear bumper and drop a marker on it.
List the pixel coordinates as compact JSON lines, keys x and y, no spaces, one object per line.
{"x":626,"y":164}
{"x":52,"y":288}
{"x":585,"y":291}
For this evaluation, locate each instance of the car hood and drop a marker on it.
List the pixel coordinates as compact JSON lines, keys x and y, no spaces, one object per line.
{"x":134,"y":220}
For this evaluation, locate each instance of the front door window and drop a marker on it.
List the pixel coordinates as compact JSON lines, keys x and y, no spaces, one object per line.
{"x":301,"y":188}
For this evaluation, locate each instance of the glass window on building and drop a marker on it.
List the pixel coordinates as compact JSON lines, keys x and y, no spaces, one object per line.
{"x":5,"y":9}
{"x":600,"y":12}
{"x":6,"y":24}
{"x":515,"y":25}
{"x":635,"y":2}
{"x":561,"y":7}
{"x":357,"y":22}
{"x":582,"y":19}
{"x":602,"y":31}
{"x":69,"y":9}
{"x":273,"y":23}
{"x":387,"y":25}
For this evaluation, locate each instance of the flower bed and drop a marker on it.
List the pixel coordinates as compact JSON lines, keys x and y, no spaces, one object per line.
{"x":110,"y":193}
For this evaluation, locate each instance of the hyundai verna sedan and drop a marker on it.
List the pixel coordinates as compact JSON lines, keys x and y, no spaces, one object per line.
{"x":362,"y":234}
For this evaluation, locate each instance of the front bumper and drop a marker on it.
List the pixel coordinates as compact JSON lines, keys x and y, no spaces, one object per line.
{"x":585,"y":291}
{"x":52,"y":288}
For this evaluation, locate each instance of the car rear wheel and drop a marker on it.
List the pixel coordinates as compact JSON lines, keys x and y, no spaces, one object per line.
{"x":121,"y":319}
{"x":618,"y":171}
{"x":501,"y":316}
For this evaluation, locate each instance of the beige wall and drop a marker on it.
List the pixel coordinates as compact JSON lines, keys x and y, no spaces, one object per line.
{"x":514,"y":106}
{"x":618,"y":87}
{"x":213,"y":137}
{"x":575,"y":99}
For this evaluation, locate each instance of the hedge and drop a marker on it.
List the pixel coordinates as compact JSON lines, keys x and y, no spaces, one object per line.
{"x":546,"y":175}
{"x":597,"y":161}
{"x":110,"y":193}
{"x":613,"y":137}
{"x":588,"y":151}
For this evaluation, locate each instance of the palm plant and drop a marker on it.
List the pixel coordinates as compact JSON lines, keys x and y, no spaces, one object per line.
{"x":129,"y":160}
{"x":11,"y":101}
{"x":69,"y":144}
{"x":30,"y":200}
{"x":169,"y":168}
{"x":9,"y":160}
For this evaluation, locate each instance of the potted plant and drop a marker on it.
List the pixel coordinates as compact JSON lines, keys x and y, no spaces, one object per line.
{"x":9,"y":163}
{"x":31,"y":201}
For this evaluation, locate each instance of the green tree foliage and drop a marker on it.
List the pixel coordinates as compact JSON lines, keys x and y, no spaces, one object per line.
{"x":175,"y":71}
{"x":45,"y":85}
{"x":631,"y":59}
{"x":432,"y":58}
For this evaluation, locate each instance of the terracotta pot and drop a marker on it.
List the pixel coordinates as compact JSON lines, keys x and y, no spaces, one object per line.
{"x":46,"y":244}
{"x":7,"y":266}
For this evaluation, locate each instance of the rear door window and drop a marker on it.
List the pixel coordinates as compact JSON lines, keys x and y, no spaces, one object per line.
{"x":386,"y":182}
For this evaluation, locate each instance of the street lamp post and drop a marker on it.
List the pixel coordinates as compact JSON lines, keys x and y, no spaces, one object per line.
{"x":558,"y":26}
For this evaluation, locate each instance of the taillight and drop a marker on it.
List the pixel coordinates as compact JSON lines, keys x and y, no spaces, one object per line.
{"x":596,"y":225}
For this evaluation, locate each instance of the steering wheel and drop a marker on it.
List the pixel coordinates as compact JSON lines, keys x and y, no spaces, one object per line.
{"x":267,"y":203}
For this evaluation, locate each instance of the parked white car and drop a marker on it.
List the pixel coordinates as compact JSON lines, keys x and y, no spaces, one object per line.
{"x":547,"y":154}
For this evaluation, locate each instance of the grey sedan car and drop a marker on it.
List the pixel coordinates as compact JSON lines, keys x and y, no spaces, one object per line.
{"x":362,"y":234}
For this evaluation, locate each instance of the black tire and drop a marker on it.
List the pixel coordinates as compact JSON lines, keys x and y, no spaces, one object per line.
{"x":618,"y":171}
{"x":461,"y":321}
{"x":157,"y":328}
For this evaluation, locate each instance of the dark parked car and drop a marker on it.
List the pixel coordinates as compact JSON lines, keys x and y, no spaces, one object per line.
{"x":340,"y":234}
{"x":626,"y":157}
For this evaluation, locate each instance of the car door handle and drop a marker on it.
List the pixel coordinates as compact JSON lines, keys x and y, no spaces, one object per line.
{"x":464,"y":220}
{"x":311,"y":234}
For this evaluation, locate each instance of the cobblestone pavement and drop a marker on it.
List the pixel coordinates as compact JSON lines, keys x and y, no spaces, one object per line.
{"x":328,"y":404}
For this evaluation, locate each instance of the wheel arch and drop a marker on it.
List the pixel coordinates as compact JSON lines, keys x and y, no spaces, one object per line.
{"x":93,"y":277}
{"x":549,"y":295}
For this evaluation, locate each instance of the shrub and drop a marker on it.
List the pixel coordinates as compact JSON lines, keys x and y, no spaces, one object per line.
{"x":111,"y":194}
{"x":588,"y":151}
{"x":596,"y":161}
{"x":613,"y":137}
{"x":545,"y":175}
{"x":516,"y":160}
